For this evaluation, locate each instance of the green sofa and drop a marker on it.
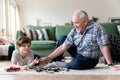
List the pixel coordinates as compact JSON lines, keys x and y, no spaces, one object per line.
{"x":45,"y":47}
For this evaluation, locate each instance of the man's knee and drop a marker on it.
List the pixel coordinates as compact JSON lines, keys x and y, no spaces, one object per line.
{"x":73,"y":66}
{"x":61,"y":40}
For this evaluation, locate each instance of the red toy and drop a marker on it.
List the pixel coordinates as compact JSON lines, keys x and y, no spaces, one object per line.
{"x":12,"y":69}
{"x":1,"y":42}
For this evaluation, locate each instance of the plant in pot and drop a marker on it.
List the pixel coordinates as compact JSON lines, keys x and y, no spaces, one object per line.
{"x":95,"y":19}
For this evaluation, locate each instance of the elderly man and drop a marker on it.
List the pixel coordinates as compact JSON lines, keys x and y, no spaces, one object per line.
{"x":85,"y":42}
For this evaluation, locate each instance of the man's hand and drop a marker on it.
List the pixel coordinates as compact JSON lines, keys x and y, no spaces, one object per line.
{"x":115,"y":68}
{"x":44,"y":60}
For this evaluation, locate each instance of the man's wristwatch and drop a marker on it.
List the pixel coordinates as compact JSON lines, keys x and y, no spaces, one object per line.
{"x":111,"y":64}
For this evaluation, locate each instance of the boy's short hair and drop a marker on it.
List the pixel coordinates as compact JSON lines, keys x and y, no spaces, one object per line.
{"x":23,"y":40}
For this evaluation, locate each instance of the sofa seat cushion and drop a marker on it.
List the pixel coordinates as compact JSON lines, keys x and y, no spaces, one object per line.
{"x":45,"y":44}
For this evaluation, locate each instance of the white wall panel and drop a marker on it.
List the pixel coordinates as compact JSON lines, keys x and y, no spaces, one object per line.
{"x":58,"y":12}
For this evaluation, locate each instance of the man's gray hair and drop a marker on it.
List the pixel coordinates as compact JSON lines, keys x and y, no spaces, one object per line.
{"x":82,"y":13}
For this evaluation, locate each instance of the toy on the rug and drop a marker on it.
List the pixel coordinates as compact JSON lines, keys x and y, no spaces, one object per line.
{"x":50,"y":70}
{"x":12,"y":69}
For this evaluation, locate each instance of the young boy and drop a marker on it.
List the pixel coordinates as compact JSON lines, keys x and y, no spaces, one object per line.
{"x":23,"y":57}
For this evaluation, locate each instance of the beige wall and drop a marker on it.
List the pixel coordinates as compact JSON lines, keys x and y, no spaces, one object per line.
{"x":58,"y":12}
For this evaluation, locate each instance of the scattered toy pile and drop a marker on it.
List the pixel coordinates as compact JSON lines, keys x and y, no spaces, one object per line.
{"x":50,"y":70}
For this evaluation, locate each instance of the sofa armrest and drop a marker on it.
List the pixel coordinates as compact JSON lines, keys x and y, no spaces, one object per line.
{"x":19,"y":34}
{"x":11,"y":49}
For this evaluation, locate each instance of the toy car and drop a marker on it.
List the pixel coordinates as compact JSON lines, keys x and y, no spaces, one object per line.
{"x":12,"y":69}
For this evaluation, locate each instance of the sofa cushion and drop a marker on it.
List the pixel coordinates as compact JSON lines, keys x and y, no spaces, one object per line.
{"x":50,"y":30}
{"x":40,"y":34}
{"x":62,"y":30}
{"x":45,"y":44}
{"x":111,"y":28}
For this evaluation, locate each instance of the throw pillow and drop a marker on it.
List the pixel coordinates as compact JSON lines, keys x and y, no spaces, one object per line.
{"x":114,"y":47}
{"x":40,"y":34}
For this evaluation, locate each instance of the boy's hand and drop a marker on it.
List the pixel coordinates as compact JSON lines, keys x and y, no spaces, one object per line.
{"x":36,"y":61}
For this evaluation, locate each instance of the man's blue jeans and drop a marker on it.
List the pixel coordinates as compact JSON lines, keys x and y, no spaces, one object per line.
{"x":78,"y":62}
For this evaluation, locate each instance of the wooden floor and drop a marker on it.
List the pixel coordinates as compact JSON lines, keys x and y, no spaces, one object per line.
{"x":4,"y":63}
{"x":60,"y":77}
{"x":72,"y":76}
